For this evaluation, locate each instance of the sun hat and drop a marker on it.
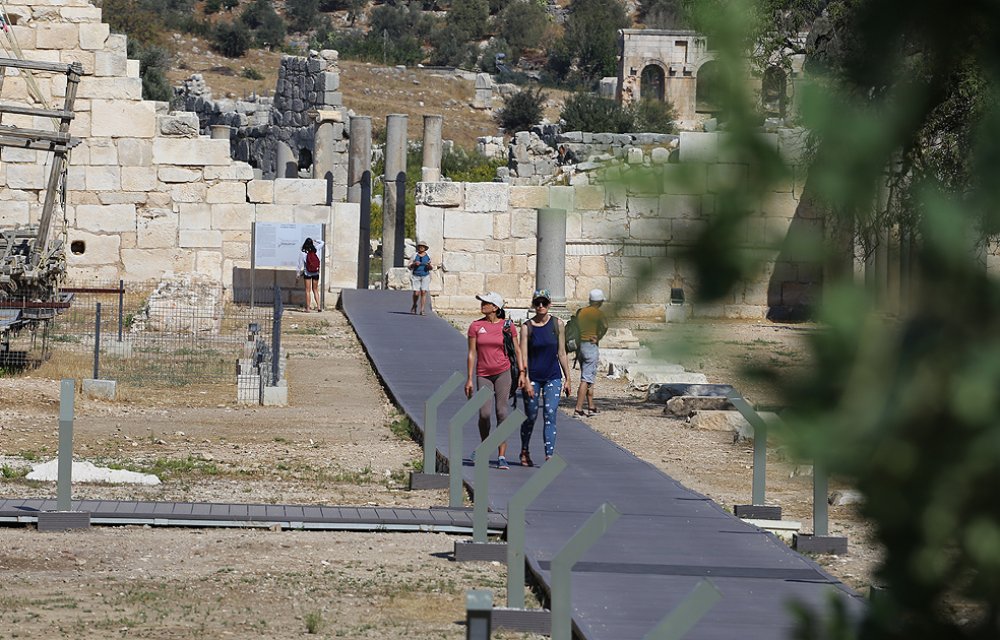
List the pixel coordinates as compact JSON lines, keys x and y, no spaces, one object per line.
{"x":421,"y":243}
{"x":492,"y":297}
{"x":596,"y":295}
{"x":541,"y":293}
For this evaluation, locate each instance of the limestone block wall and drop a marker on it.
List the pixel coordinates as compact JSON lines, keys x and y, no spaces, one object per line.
{"x":484,"y":237}
{"x":146,"y":195}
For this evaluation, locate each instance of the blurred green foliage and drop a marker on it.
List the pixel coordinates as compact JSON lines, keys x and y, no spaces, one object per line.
{"x":900,"y":102}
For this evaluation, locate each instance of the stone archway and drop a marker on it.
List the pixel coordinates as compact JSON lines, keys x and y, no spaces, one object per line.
{"x":708,"y":88}
{"x":652,"y":83}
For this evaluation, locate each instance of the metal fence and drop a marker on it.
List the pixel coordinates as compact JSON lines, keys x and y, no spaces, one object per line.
{"x":166,"y":333}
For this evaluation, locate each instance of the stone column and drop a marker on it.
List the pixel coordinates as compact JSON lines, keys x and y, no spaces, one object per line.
{"x":220,"y":131}
{"x":359,"y":155}
{"x":394,"y":202}
{"x":324,"y":145}
{"x":359,"y":188}
{"x":286,"y":166}
{"x":550,"y":266}
{"x":431,"y":171}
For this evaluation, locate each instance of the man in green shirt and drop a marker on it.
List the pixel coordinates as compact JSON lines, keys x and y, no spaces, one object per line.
{"x":593,"y":326}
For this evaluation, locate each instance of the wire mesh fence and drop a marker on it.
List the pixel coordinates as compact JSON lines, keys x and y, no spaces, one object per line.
{"x":166,"y":333}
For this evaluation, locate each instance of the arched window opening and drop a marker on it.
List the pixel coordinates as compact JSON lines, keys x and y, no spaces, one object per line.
{"x":773,"y":96}
{"x":708,"y":91}
{"x":652,"y":83}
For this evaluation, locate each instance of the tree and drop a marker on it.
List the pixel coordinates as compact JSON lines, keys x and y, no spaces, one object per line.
{"x":469,"y":19}
{"x":522,"y":111}
{"x":591,"y":36}
{"x":231,"y":39}
{"x":302,"y":14}
{"x":901,"y":402}
{"x":522,"y":25}
{"x":663,"y":14}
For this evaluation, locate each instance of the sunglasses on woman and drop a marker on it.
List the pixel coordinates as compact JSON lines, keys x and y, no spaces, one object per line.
{"x":540,"y":303}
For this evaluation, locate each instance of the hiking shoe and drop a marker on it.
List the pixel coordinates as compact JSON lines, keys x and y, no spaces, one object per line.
{"x":502,"y":463}
{"x":526,"y":459}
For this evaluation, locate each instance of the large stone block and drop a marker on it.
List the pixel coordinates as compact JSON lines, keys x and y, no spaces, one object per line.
{"x":97,"y":248}
{"x":110,"y":64}
{"x":501,"y":225}
{"x":100,"y":151}
{"x":439,"y":194}
{"x":94,"y":36}
{"x":204,"y":238}
{"x":57,"y":36}
{"x":152,"y":264}
{"x":488,"y":263}
{"x":156,"y":229}
{"x":232,"y":216}
{"x":689,"y":178}
{"x":188,"y":192}
{"x":649,"y":229}
{"x":346,"y":235}
{"x":274,"y":213}
{"x":179,"y":124}
{"x":524,"y":223}
{"x":311,"y":213}
{"x":727,"y":177}
{"x":430,"y":226}
{"x":235,"y":171}
{"x":260,"y":191}
{"x":120,"y":119}
{"x":191,"y":152}
{"x":782,"y":205}
{"x":138,"y":178}
{"x":297,"y":191}
{"x":194,"y":216}
{"x":84,"y":58}
{"x":133,"y":152}
{"x":174,"y":175}
{"x":602,"y":225}
{"x":458,"y":262}
{"x":103,"y":178}
{"x":588,"y":197}
{"x":13,"y":213}
{"x":459,"y":224}
{"x":562,"y":198}
{"x":24,"y":176}
{"x":80,"y":14}
{"x":529,"y":197}
{"x":106,"y":218}
{"x":696,"y":146}
{"x":227,"y":192}
{"x":679,"y":206}
{"x":110,"y":88}
{"x":487,"y":196}
{"x":642,"y":207}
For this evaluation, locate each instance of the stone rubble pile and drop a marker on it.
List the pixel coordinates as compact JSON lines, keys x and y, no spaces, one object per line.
{"x":185,"y":305}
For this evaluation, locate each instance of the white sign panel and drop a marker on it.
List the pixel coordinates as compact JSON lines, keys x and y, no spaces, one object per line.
{"x":278,"y":244}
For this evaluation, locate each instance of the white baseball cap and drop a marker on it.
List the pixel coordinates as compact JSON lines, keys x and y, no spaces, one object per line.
{"x":596,"y":295}
{"x":492,"y":297}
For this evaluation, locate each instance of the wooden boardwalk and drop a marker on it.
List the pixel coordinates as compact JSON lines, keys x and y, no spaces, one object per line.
{"x":668,"y":539}
{"x":204,"y":514}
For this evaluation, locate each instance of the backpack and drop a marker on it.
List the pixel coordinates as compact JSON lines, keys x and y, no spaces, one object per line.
{"x":572,"y":333}
{"x":312,"y":262}
{"x":511,"y":351}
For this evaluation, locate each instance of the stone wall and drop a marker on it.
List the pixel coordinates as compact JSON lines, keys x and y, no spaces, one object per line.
{"x":484,"y":236}
{"x":147,"y":196}
{"x":304,"y":86}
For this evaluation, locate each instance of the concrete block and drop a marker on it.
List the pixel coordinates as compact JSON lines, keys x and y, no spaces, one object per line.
{"x":52,"y":521}
{"x":757,"y":512}
{"x":538,"y":621}
{"x":421,"y":481}
{"x":487,"y":196}
{"x":809,"y":543}
{"x":468,"y":551}
{"x":275,"y":397}
{"x":103,"y":389}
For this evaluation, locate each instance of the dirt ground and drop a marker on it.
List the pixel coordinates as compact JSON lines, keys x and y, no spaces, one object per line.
{"x":338,"y":442}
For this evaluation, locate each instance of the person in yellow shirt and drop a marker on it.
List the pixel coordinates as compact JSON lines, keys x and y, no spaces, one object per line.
{"x":593,"y":326}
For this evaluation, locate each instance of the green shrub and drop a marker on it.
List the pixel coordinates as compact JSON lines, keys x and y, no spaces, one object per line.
{"x":302,"y":13}
{"x":521,"y":111}
{"x":589,"y":112}
{"x":654,"y":116}
{"x":153,"y":64}
{"x":252,"y":74}
{"x":522,"y":25}
{"x":231,"y":39}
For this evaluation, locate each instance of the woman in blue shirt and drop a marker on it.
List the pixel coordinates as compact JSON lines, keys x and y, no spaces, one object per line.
{"x":543,"y":348}
{"x":420,"y":276}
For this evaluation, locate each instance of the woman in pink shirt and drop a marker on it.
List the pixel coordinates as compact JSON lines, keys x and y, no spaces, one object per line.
{"x":490,"y":366}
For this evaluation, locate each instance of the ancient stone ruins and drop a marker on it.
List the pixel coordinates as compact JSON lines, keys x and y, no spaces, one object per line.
{"x":152,"y":192}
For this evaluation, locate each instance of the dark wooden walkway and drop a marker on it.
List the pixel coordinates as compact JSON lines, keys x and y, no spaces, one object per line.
{"x":668,"y":539}
{"x":202,"y":514}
